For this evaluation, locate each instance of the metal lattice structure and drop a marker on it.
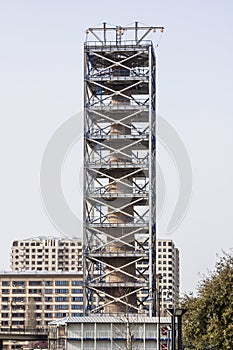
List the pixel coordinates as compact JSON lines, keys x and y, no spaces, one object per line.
{"x":119,"y":172}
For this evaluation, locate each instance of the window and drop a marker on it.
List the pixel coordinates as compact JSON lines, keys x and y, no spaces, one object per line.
{"x":37,"y":298}
{"x":48,"y":283}
{"x":34,"y":291}
{"x":18,"y":283}
{"x":5,"y":283}
{"x":62,"y":307}
{"x":76,"y":314}
{"x":62,"y":299}
{"x":18,"y":299}
{"x":77,"y":298}
{"x":17,"y":314}
{"x":78,"y":307}
{"x":5,"y":291}
{"x":48,"y":307}
{"x":48,"y":299}
{"x":4,"y":299}
{"x":48,"y":291}
{"x":35,"y":283}
{"x":61,"y":291}
{"x":62,"y":283}
{"x":77,"y":283}
{"x":76,"y":291}
{"x":60,"y":314}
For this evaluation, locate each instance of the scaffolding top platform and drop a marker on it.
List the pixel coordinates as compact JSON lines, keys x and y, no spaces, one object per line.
{"x":117,"y":34}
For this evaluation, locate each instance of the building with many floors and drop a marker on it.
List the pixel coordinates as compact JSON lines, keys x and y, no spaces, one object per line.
{"x":65,"y":254}
{"x":168,"y":270}
{"x":47,"y":254}
{"x":33,"y":299}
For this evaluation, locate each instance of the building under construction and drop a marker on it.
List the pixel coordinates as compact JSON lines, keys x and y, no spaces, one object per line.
{"x":119,"y":170}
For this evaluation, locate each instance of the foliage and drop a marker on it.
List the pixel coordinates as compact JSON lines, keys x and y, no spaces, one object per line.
{"x":208,"y":324}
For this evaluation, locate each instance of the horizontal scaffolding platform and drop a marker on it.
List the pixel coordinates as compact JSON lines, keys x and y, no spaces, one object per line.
{"x":118,"y":284}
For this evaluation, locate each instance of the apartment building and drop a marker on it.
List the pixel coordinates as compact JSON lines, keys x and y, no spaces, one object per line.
{"x":46,"y":254}
{"x":168,"y":270}
{"x":33,"y":299}
{"x":65,"y":254}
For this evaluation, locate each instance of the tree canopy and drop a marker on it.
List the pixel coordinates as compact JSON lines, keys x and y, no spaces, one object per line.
{"x":208,"y":324}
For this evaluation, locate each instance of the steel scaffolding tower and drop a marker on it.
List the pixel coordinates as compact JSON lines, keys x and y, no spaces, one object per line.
{"x":119,"y":171}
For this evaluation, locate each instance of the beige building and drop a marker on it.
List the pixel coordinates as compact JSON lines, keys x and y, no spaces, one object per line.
{"x":33,"y":299}
{"x":46,"y":254}
{"x":168,"y":274}
{"x":168,"y":266}
{"x":65,"y":254}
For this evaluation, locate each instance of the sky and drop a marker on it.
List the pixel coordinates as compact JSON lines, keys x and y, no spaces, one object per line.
{"x":41,"y":87}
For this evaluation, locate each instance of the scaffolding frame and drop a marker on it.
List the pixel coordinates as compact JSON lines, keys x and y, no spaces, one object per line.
{"x":119,"y":173}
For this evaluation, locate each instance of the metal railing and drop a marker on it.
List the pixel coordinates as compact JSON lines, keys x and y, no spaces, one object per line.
{"x":126,"y":44}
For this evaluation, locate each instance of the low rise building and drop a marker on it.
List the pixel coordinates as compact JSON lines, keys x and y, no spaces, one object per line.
{"x":110,"y":333}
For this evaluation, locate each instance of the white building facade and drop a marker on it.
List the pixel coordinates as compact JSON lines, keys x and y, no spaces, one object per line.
{"x":47,"y":254}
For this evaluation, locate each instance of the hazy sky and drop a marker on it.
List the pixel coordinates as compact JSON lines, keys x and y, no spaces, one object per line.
{"x":41,"y":43}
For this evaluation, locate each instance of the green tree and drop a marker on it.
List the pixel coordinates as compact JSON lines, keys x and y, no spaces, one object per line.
{"x":208,"y":324}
